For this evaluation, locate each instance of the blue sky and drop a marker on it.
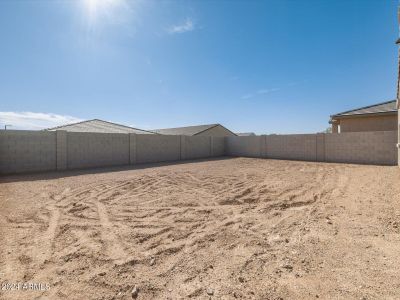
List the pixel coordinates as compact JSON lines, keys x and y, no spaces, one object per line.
{"x":263,"y":66}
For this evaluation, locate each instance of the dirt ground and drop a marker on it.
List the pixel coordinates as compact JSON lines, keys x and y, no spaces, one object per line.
{"x":238,"y":228}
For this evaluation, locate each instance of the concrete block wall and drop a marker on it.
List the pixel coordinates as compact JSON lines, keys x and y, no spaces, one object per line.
{"x":89,"y":149}
{"x":61,"y":150}
{"x":293,"y":146}
{"x":320,"y":144}
{"x":247,"y":146}
{"x":27,"y":151}
{"x":362,"y":147}
{"x":353,"y":147}
{"x":157,"y":148}
{"x":217,"y":146}
{"x":197,"y":147}
{"x":35,"y":151}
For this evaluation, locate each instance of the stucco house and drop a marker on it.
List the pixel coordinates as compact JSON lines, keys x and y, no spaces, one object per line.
{"x":376,"y":117}
{"x":205,"y":130}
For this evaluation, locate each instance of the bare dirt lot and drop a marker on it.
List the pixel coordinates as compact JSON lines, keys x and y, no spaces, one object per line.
{"x":222,"y":229}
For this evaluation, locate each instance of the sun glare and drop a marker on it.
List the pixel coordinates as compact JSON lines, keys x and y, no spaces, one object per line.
{"x":95,"y":8}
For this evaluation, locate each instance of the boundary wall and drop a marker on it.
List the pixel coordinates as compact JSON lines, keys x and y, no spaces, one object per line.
{"x":376,"y":148}
{"x":37,"y":151}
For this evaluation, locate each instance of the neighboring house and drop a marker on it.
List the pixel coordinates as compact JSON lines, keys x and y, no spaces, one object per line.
{"x":205,"y":130}
{"x":97,"y":125}
{"x":377,"y":117}
{"x":245,"y":134}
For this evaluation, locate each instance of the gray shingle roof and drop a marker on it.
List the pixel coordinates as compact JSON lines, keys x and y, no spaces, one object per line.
{"x":384,"y":107}
{"x":97,"y":125}
{"x":189,"y":130}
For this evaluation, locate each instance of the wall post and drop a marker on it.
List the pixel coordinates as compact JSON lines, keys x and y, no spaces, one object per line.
{"x":263,"y":152}
{"x":61,"y":150}
{"x":132,"y":148}
{"x":211,"y":146}
{"x":320,"y":145}
{"x":183,"y":147}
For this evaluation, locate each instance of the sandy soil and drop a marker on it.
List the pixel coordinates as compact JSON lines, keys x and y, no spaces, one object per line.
{"x":223,"y":229}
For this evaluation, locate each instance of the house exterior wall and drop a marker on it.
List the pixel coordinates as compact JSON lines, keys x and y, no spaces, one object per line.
{"x":373,"y":123}
{"x":216,"y":131}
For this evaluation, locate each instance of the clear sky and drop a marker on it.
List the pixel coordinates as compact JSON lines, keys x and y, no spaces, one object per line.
{"x":270,"y":66}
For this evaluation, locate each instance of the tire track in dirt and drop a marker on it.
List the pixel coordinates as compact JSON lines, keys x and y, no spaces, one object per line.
{"x":84,"y":198}
{"x":113,"y":246}
{"x":48,"y":237}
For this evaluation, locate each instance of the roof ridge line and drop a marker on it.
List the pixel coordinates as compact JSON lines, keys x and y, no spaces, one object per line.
{"x":80,"y":122}
{"x":122,"y":125}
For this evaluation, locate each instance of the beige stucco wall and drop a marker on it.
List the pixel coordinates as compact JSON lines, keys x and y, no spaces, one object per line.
{"x":216,"y":131}
{"x":373,"y":123}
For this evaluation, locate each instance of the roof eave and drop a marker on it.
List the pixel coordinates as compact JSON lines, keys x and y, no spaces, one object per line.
{"x":364,"y":107}
{"x":335,"y":117}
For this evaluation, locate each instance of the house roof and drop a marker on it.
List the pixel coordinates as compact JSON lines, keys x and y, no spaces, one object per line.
{"x":189,"y":130}
{"x":387,"y":107}
{"x":97,"y":125}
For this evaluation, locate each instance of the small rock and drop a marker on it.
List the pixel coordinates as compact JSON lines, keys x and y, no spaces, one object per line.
{"x":210,"y":291}
{"x":287,"y":267}
{"x":102,"y":273}
{"x":241,"y":279}
{"x":328,"y":221}
{"x":135,"y":292}
{"x":152,"y":261}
